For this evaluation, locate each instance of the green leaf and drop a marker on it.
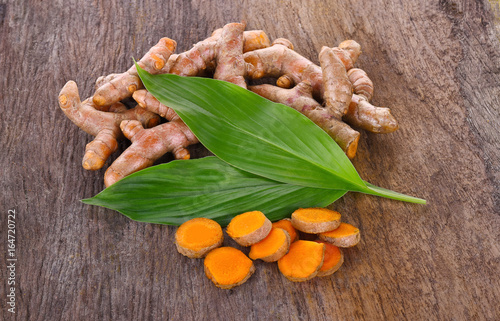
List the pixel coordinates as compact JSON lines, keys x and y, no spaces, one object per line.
{"x":259,"y":136}
{"x":175,"y":192}
{"x":255,"y":134}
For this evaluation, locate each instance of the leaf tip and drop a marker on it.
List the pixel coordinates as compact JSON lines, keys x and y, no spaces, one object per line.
{"x":383,"y":192}
{"x":89,"y":201}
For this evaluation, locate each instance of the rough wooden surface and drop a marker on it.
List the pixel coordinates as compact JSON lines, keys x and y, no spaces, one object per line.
{"x":436,"y":63}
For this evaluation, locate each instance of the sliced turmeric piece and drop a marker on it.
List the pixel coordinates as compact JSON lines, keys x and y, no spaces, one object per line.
{"x":196,"y":237}
{"x":315,"y":220}
{"x":334,"y":258}
{"x":273,"y":247}
{"x":228,"y":267}
{"x":249,"y":228}
{"x":345,"y":235}
{"x":286,"y":224}
{"x":303,"y":260}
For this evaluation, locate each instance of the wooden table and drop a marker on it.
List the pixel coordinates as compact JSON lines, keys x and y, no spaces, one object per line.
{"x":436,"y":64}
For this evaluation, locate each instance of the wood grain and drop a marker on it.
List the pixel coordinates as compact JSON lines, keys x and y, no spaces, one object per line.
{"x":435,"y":63}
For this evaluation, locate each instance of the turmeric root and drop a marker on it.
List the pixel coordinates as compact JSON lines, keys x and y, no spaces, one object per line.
{"x":300,"y":98}
{"x":198,"y":236}
{"x":345,"y":235}
{"x":147,"y":101}
{"x":272,"y":247}
{"x":195,"y":62}
{"x":225,"y":47}
{"x":291,"y":68}
{"x":334,"y":258}
{"x":123,"y":85}
{"x":255,"y":39}
{"x":351,"y":50}
{"x":315,"y":220}
{"x":228,"y":267}
{"x":361,"y":113}
{"x":337,"y":87}
{"x":279,"y":60}
{"x":104,"y":80}
{"x":249,"y":228}
{"x":286,"y":224}
{"x":284,"y":42}
{"x":364,"y":115}
{"x":103,"y":125}
{"x":361,"y":83}
{"x":198,"y":59}
{"x":230,"y":64}
{"x":148,"y":145}
{"x":202,"y":56}
{"x":337,"y":97}
{"x":303,"y":260}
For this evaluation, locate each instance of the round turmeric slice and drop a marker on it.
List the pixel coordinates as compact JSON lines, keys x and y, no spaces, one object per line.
{"x":228,"y":267}
{"x":345,"y":235}
{"x":273,"y":247}
{"x":334,"y":258}
{"x":196,"y":237}
{"x":249,"y":228}
{"x":303,"y":260}
{"x":286,"y":224}
{"x":315,"y":220}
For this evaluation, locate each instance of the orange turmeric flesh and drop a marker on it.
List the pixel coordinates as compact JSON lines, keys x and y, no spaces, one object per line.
{"x":228,"y":267}
{"x":249,"y":228}
{"x":315,"y":220}
{"x":255,"y":39}
{"x":272,"y":248}
{"x":334,"y":258}
{"x":286,"y":224}
{"x":303,"y":260}
{"x":196,"y":237}
{"x":345,"y":235}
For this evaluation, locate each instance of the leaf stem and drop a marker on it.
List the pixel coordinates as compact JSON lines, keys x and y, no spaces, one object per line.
{"x":380,"y":191}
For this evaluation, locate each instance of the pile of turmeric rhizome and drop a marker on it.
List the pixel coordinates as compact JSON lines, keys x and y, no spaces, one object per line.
{"x":334,"y":95}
